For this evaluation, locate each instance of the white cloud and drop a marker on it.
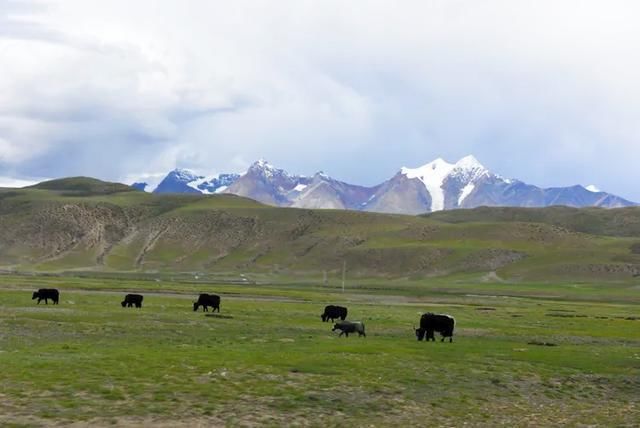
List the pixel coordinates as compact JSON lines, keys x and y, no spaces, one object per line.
{"x":543,"y":91}
{"x":15,"y":182}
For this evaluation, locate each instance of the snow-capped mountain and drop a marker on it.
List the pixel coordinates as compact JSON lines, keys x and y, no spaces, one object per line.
{"x":186,"y":181}
{"x":325,"y":192}
{"x":268,"y":184}
{"x":435,"y":186}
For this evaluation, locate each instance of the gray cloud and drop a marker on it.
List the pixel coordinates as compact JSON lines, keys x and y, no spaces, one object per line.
{"x":542,"y":91}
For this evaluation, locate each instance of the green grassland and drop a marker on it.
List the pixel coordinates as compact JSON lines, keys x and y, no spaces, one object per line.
{"x":526,"y":355}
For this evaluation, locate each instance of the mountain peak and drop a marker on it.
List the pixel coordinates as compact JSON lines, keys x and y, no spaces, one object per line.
{"x":469,"y":169}
{"x":184,"y":174}
{"x":263,"y":164}
{"x":593,"y":188}
{"x":438,"y":164}
{"x":469,"y":162}
{"x":321,"y":175}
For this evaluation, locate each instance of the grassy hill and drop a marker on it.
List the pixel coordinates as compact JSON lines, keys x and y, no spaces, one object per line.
{"x":82,"y":186}
{"x":596,"y":221}
{"x":85,"y":224}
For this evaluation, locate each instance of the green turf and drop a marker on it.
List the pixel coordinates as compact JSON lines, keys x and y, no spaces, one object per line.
{"x":273,"y":362}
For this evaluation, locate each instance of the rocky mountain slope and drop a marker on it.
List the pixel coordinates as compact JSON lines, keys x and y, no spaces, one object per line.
{"x":435,"y":186}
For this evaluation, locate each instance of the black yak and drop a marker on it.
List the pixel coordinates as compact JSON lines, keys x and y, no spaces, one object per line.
{"x":131,"y":300}
{"x":347,"y":327}
{"x":332,"y":313}
{"x":45,"y":294}
{"x":206,"y":300}
{"x":430,"y":323}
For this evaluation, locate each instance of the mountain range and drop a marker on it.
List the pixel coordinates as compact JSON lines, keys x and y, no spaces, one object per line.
{"x":435,"y":186}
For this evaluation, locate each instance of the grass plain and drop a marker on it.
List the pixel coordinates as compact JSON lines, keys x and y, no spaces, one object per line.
{"x":532,"y":354}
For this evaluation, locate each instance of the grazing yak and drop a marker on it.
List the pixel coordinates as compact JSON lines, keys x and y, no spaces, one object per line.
{"x":46,"y":294}
{"x":132,"y":299}
{"x":430,"y":323}
{"x":332,"y":313}
{"x":347,"y":327}
{"x":206,"y":300}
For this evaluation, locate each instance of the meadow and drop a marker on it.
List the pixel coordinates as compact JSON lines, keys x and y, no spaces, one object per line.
{"x":523,"y":355}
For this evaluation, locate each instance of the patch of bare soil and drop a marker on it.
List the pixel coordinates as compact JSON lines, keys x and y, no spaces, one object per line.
{"x":491,"y":259}
{"x":624,"y":270}
{"x":491,"y":277}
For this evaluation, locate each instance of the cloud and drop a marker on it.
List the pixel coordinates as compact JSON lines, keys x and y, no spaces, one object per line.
{"x":542,"y":91}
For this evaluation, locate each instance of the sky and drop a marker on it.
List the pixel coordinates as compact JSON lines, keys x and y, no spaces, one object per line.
{"x":544,"y":91}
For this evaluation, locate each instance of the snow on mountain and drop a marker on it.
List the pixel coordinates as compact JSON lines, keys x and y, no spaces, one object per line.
{"x":469,"y":169}
{"x":214,"y":183}
{"x":186,"y":181}
{"x":267,"y":184}
{"x":435,"y":174}
{"x":467,"y":172}
{"x":437,"y":185}
{"x":322,"y":191}
{"x":199,"y":181}
{"x":466,"y":191}
{"x":432,"y":175}
{"x":593,"y":188}
{"x":177,"y":181}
